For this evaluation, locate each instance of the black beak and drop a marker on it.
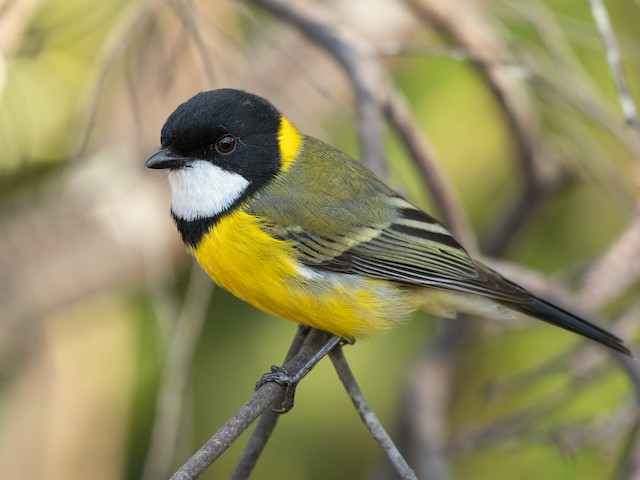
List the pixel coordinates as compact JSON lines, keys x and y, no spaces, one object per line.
{"x":165,"y":159}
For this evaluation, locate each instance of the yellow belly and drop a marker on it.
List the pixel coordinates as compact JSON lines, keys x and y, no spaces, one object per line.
{"x":240,"y":257}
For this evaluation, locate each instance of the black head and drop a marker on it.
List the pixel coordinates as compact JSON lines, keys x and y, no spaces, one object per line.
{"x":233,"y":129}
{"x":219,"y":148}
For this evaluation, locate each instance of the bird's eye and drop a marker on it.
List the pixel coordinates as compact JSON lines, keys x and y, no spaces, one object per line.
{"x":226,"y":144}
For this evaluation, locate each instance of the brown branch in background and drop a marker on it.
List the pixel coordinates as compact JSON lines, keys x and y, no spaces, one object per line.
{"x":508,"y":427}
{"x":570,"y":89}
{"x":369,"y":418}
{"x":471,"y":30}
{"x":249,"y":412}
{"x":452,"y":52}
{"x":268,"y":420}
{"x":601,"y":17}
{"x":356,"y":57}
{"x":176,"y":374}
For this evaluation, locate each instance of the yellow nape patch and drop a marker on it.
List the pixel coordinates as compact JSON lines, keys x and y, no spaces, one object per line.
{"x":290,"y":141}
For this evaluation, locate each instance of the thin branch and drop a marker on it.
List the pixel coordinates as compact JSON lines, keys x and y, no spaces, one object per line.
{"x":510,"y":426}
{"x":368,"y":416}
{"x":601,"y":17}
{"x":249,"y":412}
{"x":229,"y":432}
{"x":267,"y":423}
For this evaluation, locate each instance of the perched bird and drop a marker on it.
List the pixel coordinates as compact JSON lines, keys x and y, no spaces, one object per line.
{"x":302,"y":230}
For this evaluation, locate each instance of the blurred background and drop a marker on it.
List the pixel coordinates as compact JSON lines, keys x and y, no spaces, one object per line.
{"x":118,"y":358}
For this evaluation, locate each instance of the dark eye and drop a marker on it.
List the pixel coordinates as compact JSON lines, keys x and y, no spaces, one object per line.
{"x":226,"y":144}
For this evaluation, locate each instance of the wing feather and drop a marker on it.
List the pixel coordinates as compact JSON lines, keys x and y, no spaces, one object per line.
{"x":413,"y":249}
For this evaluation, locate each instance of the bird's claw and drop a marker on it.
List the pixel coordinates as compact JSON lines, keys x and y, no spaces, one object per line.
{"x":280,"y":376}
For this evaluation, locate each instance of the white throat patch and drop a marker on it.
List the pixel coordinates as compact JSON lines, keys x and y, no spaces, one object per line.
{"x":204,"y":190}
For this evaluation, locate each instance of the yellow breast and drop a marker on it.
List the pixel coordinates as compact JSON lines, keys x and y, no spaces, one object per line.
{"x":242,"y":258}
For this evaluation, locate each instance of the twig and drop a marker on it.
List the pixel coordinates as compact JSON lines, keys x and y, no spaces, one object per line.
{"x":248,"y":413}
{"x":601,"y":17}
{"x":368,"y":416}
{"x":229,"y":432}
{"x":176,"y":373}
{"x":267,"y":423}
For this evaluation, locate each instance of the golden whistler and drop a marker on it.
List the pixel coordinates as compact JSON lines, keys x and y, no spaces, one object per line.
{"x":302,"y":230}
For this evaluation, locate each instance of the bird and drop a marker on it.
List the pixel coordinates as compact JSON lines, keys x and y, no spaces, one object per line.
{"x":303,"y":231}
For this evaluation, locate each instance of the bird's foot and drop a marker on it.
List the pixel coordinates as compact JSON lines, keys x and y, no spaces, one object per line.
{"x":280,"y":376}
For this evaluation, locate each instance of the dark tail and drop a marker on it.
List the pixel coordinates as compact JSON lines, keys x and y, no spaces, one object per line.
{"x":549,"y":313}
